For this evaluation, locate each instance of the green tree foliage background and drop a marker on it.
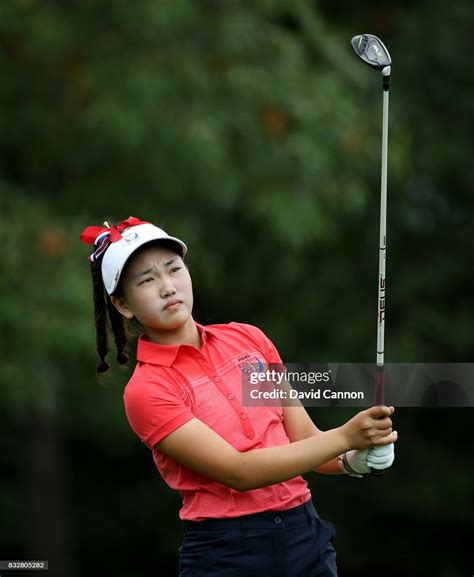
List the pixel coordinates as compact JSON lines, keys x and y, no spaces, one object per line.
{"x":250,"y":130}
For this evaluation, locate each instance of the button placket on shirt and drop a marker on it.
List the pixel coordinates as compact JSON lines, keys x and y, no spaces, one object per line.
{"x":247,"y":426}
{"x":217,"y":379}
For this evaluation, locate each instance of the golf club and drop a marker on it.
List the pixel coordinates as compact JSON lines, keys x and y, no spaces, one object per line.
{"x":373,"y":52}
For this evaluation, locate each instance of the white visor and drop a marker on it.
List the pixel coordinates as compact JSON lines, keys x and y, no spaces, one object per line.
{"x":119,"y":252}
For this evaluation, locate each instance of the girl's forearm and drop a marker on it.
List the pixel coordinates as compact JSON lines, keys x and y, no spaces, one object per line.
{"x":262,"y":467}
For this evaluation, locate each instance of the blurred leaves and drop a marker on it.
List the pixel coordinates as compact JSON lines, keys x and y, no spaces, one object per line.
{"x":44,"y":304}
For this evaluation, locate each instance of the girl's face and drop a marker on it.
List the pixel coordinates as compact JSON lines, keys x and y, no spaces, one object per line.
{"x":156,"y":290}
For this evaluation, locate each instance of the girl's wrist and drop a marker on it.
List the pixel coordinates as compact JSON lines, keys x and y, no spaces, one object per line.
{"x":342,"y":439}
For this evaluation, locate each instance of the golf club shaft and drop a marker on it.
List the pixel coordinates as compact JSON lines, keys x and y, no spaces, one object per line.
{"x":383,"y":238}
{"x":379,"y":372}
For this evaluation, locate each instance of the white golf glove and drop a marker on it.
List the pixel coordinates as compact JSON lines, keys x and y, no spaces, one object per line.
{"x":358,"y":463}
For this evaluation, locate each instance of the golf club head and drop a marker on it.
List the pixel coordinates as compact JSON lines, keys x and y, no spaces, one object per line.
{"x":371,"y":50}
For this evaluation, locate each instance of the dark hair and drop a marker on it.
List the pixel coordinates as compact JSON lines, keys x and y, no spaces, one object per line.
{"x":106,"y":315}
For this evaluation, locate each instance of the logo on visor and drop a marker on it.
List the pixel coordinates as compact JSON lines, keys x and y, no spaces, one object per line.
{"x":130,"y":237}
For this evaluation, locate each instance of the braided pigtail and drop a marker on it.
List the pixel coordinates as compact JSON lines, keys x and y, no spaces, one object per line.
{"x":106,"y":315}
{"x":118,"y":329}
{"x":100,"y":314}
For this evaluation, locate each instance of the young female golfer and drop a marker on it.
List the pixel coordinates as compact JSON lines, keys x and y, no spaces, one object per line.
{"x":248,"y":511}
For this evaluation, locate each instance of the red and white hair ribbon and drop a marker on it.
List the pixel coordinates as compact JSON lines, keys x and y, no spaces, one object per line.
{"x":101,"y":236}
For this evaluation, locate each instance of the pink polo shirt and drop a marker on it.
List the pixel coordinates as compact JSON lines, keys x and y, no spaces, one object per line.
{"x":173,"y":384}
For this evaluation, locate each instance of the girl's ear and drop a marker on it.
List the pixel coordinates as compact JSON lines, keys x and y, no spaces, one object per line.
{"x":121,"y":305}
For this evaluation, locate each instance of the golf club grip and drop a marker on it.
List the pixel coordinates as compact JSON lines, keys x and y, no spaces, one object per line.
{"x":379,"y":395}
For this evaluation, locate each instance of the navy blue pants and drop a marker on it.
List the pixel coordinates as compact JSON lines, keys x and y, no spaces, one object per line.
{"x":292,"y":543}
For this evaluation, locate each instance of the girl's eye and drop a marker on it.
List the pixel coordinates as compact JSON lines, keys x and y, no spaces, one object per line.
{"x":176,"y":268}
{"x":146,"y":280}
